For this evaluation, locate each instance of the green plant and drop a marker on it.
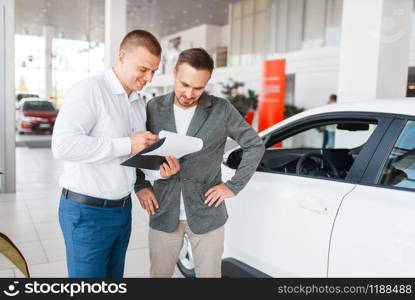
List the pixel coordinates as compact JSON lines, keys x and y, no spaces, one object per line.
{"x":254,"y":99}
{"x":291,"y":110}
{"x":243,"y":103}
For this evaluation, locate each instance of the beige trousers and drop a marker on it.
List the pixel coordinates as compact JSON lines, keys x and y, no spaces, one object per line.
{"x":207,"y":250}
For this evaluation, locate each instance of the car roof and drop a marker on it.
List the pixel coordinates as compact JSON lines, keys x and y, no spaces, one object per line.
{"x":399,"y":106}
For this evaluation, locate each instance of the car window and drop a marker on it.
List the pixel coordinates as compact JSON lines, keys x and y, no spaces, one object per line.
{"x":318,"y":151}
{"x":38,"y":105}
{"x":333,"y":136}
{"x":400,"y":167}
{"x":22,"y":96}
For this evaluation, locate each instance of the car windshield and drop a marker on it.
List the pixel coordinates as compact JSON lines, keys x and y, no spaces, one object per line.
{"x":38,"y":105}
{"x":22,"y":96}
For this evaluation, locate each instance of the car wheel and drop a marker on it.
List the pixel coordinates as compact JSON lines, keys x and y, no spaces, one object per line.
{"x":185,"y":263}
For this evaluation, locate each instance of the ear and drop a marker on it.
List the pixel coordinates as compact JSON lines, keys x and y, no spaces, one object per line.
{"x":175,"y":71}
{"x":121,"y":56}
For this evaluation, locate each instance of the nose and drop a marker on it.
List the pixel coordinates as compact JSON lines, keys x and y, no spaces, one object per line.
{"x":149,"y":76}
{"x":189,"y":93}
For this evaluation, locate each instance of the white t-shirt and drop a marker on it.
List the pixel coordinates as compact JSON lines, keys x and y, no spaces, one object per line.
{"x":183,"y":118}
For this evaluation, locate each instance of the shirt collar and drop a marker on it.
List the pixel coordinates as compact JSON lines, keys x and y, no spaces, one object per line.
{"x":117,"y":88}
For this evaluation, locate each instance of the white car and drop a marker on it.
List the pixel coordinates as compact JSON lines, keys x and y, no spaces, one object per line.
{"x":334,"y":196}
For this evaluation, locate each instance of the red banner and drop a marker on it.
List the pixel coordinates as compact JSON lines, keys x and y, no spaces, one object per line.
{"x":271,"y":101}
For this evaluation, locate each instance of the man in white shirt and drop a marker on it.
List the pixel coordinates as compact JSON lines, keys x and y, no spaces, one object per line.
{"x":102,"y":123}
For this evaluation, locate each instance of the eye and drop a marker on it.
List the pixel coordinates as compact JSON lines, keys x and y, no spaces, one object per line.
{"x":143,"y":69}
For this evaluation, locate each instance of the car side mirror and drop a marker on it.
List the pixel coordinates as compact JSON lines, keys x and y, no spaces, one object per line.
{"x":234,"y":159}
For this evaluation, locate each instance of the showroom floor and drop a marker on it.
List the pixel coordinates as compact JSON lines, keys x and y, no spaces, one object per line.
{"x":29,"y":217}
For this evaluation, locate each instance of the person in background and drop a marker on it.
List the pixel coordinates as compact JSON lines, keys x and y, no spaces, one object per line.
{"x":329,"y":131}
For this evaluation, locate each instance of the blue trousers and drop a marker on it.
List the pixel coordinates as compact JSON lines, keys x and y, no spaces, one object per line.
{"x":96,"y":238}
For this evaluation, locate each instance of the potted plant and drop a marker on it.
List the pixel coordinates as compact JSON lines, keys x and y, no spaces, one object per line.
{"x":245,"y":104}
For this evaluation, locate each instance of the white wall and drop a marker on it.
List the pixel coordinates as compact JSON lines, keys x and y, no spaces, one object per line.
{"x":315,"y":72}
{"x":205,"y":36}
{"x":313,"y":88}
{"x":193,"y":37}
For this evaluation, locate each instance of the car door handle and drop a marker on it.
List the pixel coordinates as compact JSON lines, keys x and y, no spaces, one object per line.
{"x":314,"y":205}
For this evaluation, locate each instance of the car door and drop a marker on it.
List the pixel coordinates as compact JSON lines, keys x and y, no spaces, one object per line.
{"x":374,"y":233}
{"x":281,"y":222}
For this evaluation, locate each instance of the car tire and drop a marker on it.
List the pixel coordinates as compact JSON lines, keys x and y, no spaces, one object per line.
{"x":185,"y":262}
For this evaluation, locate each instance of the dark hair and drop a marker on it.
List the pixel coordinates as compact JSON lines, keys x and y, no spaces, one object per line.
{"x":141,"y":38}
{"x":198,"y":58}
{"x":333,"y":97}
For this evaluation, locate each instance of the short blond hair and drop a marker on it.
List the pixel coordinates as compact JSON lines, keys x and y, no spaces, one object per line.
{"x":141,"y":38}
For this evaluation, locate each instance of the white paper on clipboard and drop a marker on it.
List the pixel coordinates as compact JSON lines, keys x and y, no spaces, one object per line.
{"x":176,"y":145}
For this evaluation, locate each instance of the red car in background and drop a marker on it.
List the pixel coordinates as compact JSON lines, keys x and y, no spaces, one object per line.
{"x":36,"y":115}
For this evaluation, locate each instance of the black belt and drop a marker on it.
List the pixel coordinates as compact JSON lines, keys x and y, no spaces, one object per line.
{"x":95,"y":201}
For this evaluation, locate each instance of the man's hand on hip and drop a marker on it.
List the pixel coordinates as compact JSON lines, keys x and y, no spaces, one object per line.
{"x":217,"y":194}
{"x":169,"y":168}
{"x":148,"y":200}
{"x":141,"y":140}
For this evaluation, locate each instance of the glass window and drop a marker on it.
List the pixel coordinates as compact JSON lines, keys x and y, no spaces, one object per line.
{"x":320,"y":151}
{"x":400,"y":168}
{"x":29,"y":63}
{"x":38,"y":105}
{"x":314,"y":19}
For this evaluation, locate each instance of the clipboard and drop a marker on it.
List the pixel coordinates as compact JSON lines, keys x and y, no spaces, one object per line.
{"x":151,"y":162}
{"x":170,"y":144}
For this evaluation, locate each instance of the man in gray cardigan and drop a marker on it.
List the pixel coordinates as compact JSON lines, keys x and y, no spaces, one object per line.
{"x":192,"y":201}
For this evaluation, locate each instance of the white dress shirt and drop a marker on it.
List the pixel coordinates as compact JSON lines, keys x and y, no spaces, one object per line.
{"x":183,"y":118}
{"x":91,"y":135}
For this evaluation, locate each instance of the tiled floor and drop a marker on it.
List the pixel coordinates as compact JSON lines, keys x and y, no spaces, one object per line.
{"x":29,"y":219}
